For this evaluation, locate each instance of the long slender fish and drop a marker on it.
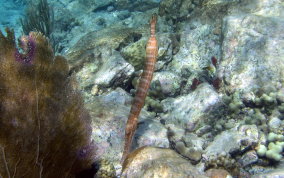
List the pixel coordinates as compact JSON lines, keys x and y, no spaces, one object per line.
{"x":143,"y":86}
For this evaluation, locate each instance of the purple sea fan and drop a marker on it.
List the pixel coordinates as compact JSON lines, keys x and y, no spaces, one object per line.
{"x":28,"y":45}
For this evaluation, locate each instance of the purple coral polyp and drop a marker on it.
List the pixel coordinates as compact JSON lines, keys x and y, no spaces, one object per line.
{"x":27,"y":43}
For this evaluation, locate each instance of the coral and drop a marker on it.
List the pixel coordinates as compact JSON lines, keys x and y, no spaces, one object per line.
{"x":28,"y":45}
{"x":135,"y":53}
{"x":44,"y":129}
{"x":223,"y":160}
{"x":105,"y":169}
{"x":39,"y":17}
{"x":274,"y":149}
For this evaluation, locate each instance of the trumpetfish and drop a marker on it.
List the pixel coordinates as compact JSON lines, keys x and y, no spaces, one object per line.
{"x":143,"y":86}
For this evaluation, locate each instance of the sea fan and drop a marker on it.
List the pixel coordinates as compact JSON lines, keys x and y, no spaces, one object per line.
{"x":44,"y":128}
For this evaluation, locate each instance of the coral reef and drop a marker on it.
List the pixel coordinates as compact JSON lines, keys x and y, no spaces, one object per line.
{"x":237,"y":98}
{"x":44,"y":128}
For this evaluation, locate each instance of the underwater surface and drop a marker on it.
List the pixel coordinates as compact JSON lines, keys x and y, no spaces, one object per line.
{"x":141,"y":88}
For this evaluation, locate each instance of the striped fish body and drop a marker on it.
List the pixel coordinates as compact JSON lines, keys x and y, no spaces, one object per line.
{"x":142,"y":89}
{"x":146,"y":78}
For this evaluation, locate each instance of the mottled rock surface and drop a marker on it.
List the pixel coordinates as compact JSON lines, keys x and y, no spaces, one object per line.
{"x":109,"y":114}
{"x":217,"y":173}
{"x":232,"y":140}
{"x":169,"y":83}
{"x":158,"y":162}
{"x":272,"y":174}
{"x":248,"y":158}
{"x":151,"y":133}
{"x":252,"y":46}
{"x":183,"y":111}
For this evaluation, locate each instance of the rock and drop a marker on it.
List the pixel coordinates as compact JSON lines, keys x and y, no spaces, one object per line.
{"x":105,"y":169}
{"x":135,"y":53}
{"x":175,"y":9}
{"x":141,"y":5}
{"x":192,"y":140}
{"x":117,"y":97}
{"x":280,"y":95}
{"x":274,"y":123}
{"x":217,"y":173}
{"x":203,"y":130}
{"x":151,"y":133}
{"x":232,"y":140}
{"x":249,"y":58}
{"x":95,"y":5}
{"x":248,"y":158}
{"x":158,"y":162}
{"x":97,"y":46}
{"x":97,"y":62}
{"x":193,"y":146}
{"x":278,"y":173}
{"x":220,"y":2}
{"x":109,"y":113}
{"x":194,"y":50}
{"x":188,"y":109}
{"x":169,"y":83}
{"x":115,"y":71}
{"x":191,"y":153}
{"x":188,"y":145}
{"x":268,"y":8}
